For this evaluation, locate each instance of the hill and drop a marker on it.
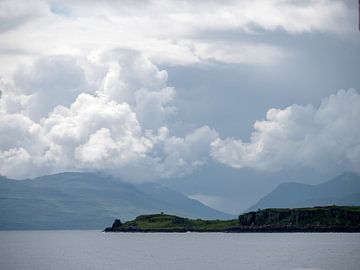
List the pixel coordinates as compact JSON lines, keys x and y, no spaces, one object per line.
{"x":316,"y":219}
{"x":341,"y":190}
{"x":87,"y":201}
{"x":179,"y":202}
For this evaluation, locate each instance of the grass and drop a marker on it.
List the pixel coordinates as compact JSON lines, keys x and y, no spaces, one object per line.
{"x":171,"y":222}
{"x":297,"y":218}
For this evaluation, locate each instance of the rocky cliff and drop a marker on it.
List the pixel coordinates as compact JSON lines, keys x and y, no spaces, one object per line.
{"x":329,"y":218}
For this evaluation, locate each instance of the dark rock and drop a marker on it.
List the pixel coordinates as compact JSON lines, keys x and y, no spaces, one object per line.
{"x":117,"y":223}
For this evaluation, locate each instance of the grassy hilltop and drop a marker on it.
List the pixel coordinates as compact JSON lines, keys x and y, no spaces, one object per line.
{"x":322,"y":219}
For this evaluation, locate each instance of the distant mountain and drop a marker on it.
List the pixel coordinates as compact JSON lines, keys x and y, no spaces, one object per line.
{"x":87,"y":201}
{"x":179,"y":202}
{"x":341,"y":190}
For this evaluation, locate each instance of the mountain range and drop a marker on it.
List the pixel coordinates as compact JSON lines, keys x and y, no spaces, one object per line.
{"x":341,"y":190}
{"x":74,"y":200}
{"x":88,"y":201}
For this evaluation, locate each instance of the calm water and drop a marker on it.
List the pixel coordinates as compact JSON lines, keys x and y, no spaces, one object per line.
{"x":94,"y":250}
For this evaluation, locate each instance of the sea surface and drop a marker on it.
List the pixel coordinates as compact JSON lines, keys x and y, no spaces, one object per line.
{"x":60,"y":250}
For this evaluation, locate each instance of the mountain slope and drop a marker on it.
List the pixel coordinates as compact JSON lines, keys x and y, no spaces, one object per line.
{"x":85,"y":201}
{"x":179,"y":202}
{"x":341,"y":190}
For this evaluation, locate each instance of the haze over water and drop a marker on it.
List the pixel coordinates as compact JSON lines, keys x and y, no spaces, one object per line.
{"x":157,"y":251}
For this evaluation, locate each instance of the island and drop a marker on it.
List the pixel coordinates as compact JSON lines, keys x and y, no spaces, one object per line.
{"x":315,"y":219}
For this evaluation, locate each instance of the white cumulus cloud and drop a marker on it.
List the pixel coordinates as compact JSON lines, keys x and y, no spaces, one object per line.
{"x":107,"y":112}
{"x":47,"y":78}
{"x":325,"y":138}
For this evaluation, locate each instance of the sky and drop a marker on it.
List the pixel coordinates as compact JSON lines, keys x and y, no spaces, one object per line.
{"x":221,"y":100}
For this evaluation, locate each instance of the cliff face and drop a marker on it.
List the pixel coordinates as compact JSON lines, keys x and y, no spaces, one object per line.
{"x":317,"y":219}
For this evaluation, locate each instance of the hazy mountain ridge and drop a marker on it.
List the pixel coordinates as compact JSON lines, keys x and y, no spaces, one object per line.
{"x":341,"y":190}
{"x":85,"y":201}
{"x":178,"y":200}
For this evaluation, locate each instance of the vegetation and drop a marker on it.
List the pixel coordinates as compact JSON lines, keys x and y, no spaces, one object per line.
{"x":329,"y":218}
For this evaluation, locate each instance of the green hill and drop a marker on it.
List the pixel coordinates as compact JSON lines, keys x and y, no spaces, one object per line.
{"x":316,"y":219}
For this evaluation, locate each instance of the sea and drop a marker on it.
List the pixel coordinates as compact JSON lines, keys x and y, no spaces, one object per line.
{"x":62,"y":250}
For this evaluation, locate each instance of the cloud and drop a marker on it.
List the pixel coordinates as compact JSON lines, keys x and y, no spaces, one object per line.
{"x":145,"y":91}
{"x":21,"y":144}
{"x":231,"y":52}
{"x":48,"y":77}
{"x":187,"y":17}
{"x":14,"y":13}
{"x":78,"y":131}
{"x":177,"y":35}
{"x":325,"y":138}
{"x":152,"y":108}
{"x":108,"y":112}
{"x":113,"y":111}
{"x":70,"y":101}
{"x":184,"y":154}
{"x":122,"y":76}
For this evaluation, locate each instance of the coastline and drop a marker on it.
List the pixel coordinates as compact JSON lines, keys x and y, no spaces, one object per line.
{"x":278,"y":220}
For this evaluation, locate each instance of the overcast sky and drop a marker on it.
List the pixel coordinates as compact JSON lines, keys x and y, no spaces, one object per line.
{"x":151,"y":90}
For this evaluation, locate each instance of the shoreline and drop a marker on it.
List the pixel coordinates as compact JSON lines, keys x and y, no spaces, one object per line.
{"x":281,"y":220}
